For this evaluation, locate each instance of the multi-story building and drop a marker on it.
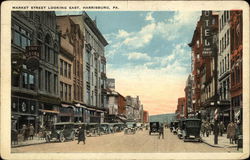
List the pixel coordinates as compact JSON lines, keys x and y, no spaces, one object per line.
{"x":236,"y":39}
{"x":224,"y":65}
{"x":129,"y":108}
{"x":188,"y":95}
{"x":94,"y":68}
{"x":145,"y":117}
{"x":196,"y":48}
{"x":181,"y":108}
{"x":35,"y":96}
{"x":116,"y":104}
{"x":208,"y":67}
{"x":70,"y":60}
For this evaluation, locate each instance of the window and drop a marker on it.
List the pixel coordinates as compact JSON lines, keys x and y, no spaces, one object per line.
{"x":220,"y":47}
{"x":228,"y":61}
{"x":225,"y":43}
{"x":21,"y":37}
{"x":66,"y":91}
{"x":55,"y":84}
{"x":65,"y":69}
{"x":15,"y":79}
{"x":61,"y":90}
{"x":61,"y":67}
{"x":70,"y":92}
{"x":55,"y":55}
{"x":223,"y":66}
{"x":48,"y":50}
{"x":25,"y":80}
{"x":228,"y":37}
{"x":31,"y":81}
{"x":69,"y":71}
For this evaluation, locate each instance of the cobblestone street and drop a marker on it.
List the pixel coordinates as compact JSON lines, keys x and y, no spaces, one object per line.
{"x":119,"y":142}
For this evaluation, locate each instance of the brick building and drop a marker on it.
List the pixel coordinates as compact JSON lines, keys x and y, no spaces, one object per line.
{"x":236,"y":27}
{"x":181,"y":108}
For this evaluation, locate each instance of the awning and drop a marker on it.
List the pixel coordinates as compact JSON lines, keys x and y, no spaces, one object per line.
{"x":99,"y":110}
{"x":79,"y":105}
{"x":66,"y":105}
{"x":48,"y":111}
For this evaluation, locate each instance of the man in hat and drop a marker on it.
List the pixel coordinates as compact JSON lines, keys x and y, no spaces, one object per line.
{"x":81,"y":135}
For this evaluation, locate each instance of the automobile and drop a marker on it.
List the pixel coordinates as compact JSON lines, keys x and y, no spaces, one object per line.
{"x":180,"y":129}
{"x":118,"y":127}
{"x":60,"y":132}
{"x":130,"y":128}
{"x":175,"y":127}
{"x":191,"y":130}
{"x":104,"y":128}
{"x":93,"y":129}
{"x":139,"y":126}
{"x":154,"y":127}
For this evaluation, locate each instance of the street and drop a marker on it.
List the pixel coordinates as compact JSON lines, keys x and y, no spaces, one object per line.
{"x":119,"y":142}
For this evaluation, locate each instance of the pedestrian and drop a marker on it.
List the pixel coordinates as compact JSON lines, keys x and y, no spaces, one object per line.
{"x":236,"y":129}
{"x":231,"y":132}
{"x":161,"y":131}
{"x":23,"y":132}
{"x":203,"y":129}
{"x":31,"y":131}
{"x":81,"y":135}
{"x":221,"y":128}
{"x":207,"y":127}
{"x":216,"y":131}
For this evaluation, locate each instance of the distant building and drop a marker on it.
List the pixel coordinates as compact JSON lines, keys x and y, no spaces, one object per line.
{"x":145,"y":117}
{"x":181,"y":108}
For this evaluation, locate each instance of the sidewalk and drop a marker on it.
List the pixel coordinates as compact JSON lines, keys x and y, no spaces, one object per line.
{"x":223,"y":142}
{"x":36,"y":140}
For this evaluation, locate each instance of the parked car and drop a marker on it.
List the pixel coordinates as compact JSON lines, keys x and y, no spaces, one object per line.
{"x":93,"y":129}
{"x":175,"y":126}
{"x":181,"y":127}
{"x":154,"y":127}
{"x":60,"y":132}
{"x":191,"y":130}
{"x":130,"y":128}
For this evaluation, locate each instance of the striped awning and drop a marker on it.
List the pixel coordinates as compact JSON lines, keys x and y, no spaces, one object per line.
{"x":48,"y":111}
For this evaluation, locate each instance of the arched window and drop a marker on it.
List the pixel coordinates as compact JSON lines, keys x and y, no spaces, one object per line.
{"x":40,"y":43}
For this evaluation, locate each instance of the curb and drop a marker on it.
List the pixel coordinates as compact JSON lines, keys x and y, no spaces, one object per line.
{"x":23,"y":145}
{"x":218,"y":146}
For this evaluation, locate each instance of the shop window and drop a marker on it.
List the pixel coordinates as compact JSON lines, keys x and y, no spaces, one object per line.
{"x":14,"y":104}
{"x":23,"y":105}
{"x":32,"y":107}
{"x":15,"y":79}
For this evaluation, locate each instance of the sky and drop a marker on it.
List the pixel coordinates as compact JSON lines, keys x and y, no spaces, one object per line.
{"x":148,"y":54}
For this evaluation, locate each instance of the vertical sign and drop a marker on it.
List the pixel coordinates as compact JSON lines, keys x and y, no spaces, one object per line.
{"x":207,"y":33}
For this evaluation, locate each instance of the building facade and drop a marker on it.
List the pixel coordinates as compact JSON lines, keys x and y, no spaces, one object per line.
{"x":94,"y":68}
{"x":188,"y":95}
{"x":145,"y":117}
{"x":236,"y":30}
{"x":224,"y":65}
{"x":181,"y":108}
{"x":35,"y":95}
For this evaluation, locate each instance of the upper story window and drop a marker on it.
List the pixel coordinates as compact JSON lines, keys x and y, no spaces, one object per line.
{"x":48,"y":50}
{"x":21,"y":37}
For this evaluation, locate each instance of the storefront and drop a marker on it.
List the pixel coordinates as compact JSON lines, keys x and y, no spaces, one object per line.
{"x":23,"y":112}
